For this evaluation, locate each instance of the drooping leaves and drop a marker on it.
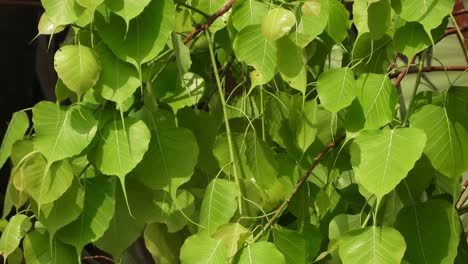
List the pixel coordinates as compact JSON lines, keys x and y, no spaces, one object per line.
{"x":372,"y":245}
{"x":382,"y":158}
{"x":62,"y":132}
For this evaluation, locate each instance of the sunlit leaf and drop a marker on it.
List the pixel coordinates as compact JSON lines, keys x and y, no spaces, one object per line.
{"x":338,"y":21}
{"x":47,"y":27}
{"x":202,"y":249}
{"x":78,"y":67}
{"x":16,"y":129}
{"x":62,"y":12}
{"x":277,"y":23}
{"x":248,"y":12}
{"x":336,"y":89}
{"x":372,"y":245}
{"x":17,"y":227}
{"x":231,"y":235}
{"x":261,"y":252}
{"x":382,"y":158}
{"x":411,"y":39}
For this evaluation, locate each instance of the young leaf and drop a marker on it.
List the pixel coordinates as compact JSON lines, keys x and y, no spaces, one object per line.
{"x":219,"y":204}
{"x":372,"y":245}
{"x":248,"y":12}
{"x":62,"y":12}
{"x":382,"y":158}
{"x":336,"y":89}
{"x":37,"y":249}
{"x":62,"y":133}
{"x":77,"y":67}
{"x":146,"y":35}
{"x":118,"y":79}
{"x":252,"y":48}
{"x":47,"y":27}
{"x":15,"y":230}
{"x":436,"y":238}
{"x":261,"y":252}
{"x":45,"y":184}
{"x":127,"y":9}
{"x":277,"y":23}
{"x":201,"y":248}
{"x":97,"y":213}
{"x":446,"y":139}
{"x":342,"y":223}
{"x":19,"y":124}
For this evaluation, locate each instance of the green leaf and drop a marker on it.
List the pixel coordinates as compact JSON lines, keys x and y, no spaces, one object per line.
{"x":372,"y":245}
{"x":292,"y":245}
{"x":342,"y":223}
{"x":118,"y":79}
{"x":38,"y":251}
{"x":373,"y":56}
{"x":62,"y":12}
{"x":303,"y":121}
{"x":15,"y":230}
{"x":219,"y":204}
{"x":435,"y":240}
{"x":338,"y":21}
{"x":77,"y":67}
{"x":45,"y":184}
{"x":336,"y":89}
{"x":127,"y":9}
{"x":146,"y":36}
{"x":91,"y":4}
{"x":429,"y":13}
{"x":379,"y":18}
{"x":209,"y":8}
{"x":47,"y":27}
{"x":377,"y":98}
{"x":248,"y":12}
{"x":202,"y":249}
{"x":311,"y":8}
{"x":174,"y":211}
{"x":446,"y":139}
{"x":382,"y":158}
{"x":97,"y":213}
{"x":123,"y":229}
{"x":19,"y":124}
{"x":171,"y":157}
{"x":182,"y":54}
{"x":261,"y":160}
{"x":261,"y":252}
{"x":232,"y":235}
{"x":252,"y":48}
{"x":61,"y":132}
{"x":291,"y":64}
{"x":163,"y":246}
{"x":411,"y":39}
{"x":277,"y":23}
{"x":63,"y":211}
{"x":187,"y":91}
{"x":312,"y":22}
{"x":360,"y":16}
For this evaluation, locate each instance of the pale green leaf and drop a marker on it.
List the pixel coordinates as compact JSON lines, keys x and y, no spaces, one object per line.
{"x":44,"y":183}
{"x":202,"y":249}
{"x":311,"y":8}
{"x":261,"y":160}
{"x":411,"y":39}
{"x":170,"y":160}
{"x":47,"y":27}
{"x":261,"y":252}
{"x":92,"y":4}
{"x":97,"y":213}
{"x":15,"y":230}
{"x":219,"y":204}
{"x":61,"y":132}
{"x":118,"y":79}
{"x":360,"y":16}
{"x":146,"y":36}
{"x":372,"y":245}
{"x":62,"y":12}
{"x":446,"y":139}
{"x":232,"y":235}
{"x":312,"y":22}
{"x":63,"y":211}
{"x":127,"y":9}
{"x":336,"y":89}
{"x":252,"y":48}
{"x":338,"y":21}
{"x":248,"y":12}
{"x":38,"y":250}
{"x":277,"y":23}
{"x":435,"y":240}
{"x":78,"y":67}
{"x":182,"y":54}
{"x":19,"y":124}
{"x":382,"y":158}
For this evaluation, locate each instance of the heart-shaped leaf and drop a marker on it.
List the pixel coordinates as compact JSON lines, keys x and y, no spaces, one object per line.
{"x":336,"y":89}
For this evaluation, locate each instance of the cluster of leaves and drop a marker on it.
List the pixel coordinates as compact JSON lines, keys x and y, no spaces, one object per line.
{"x":199,"y":147}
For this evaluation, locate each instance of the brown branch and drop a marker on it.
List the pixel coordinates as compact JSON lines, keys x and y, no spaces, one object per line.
{"x":427,"y":69}
{"x":453,"y":30}
{"x":301,"y":182}
{"x":209,"y":21}
{"x":402,"y":74}
{"x":460,"y":12}
{"x":97,"y":257}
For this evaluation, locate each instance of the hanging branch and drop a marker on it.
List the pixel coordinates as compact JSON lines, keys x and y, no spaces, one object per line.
{"x":301,"y":182}
{"x":209,"y":21}
{"x":414,"y":69}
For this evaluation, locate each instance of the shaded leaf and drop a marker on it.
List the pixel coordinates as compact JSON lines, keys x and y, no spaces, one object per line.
{"x":163,"y":246}
{"x":182,"y":54}
{"x":338,"y":21}
{"x":37,"y":249}
{"x":411,"y":39}
{"x":127,"y":9}
{"x":18,"y":126}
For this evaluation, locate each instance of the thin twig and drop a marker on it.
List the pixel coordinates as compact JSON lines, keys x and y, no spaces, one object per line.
{"x":453,"y":30}
{"x":209,"y":21}
{"x":414,"y":69}
{"x":97,"y":257}
{"x":402,"y":74}
{"x":301,"y":182}
{"x":460,"y":12}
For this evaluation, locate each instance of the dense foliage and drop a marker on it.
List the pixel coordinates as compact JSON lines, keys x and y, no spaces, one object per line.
{"x":249,"y":131}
